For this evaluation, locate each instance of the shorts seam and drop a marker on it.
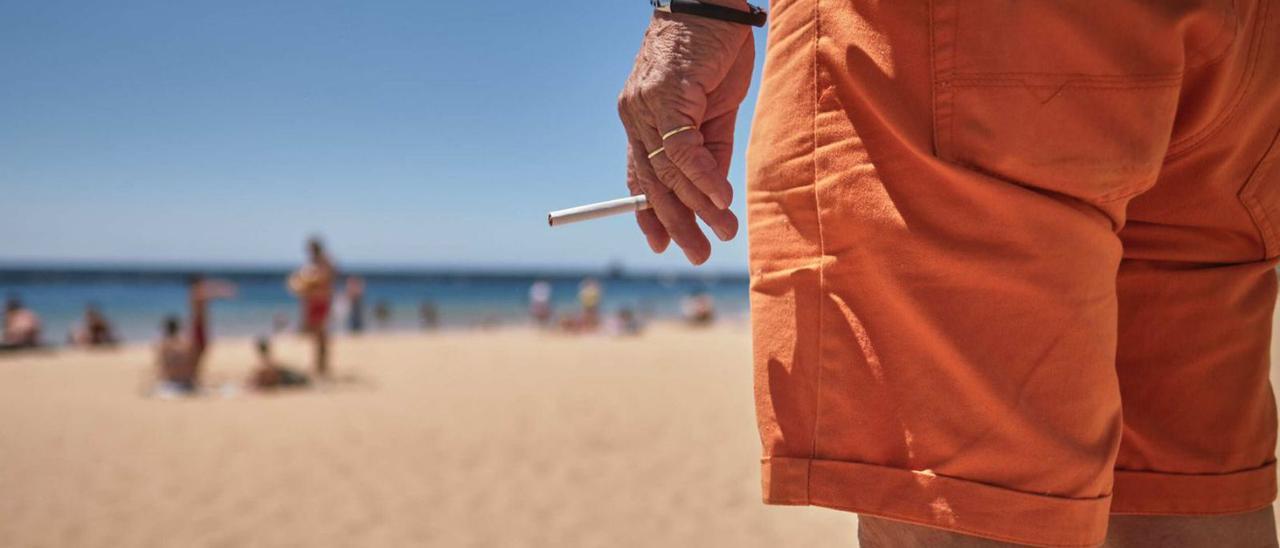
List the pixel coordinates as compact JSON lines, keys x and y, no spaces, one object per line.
{"x":1253,"y":206}
{"x":1113,"y":77}
{"x":822,"y":246}
{"x":1210,"y":60}
{"x":1004,"y":83}
{"x":1263,"y":466}
{"x":1240,"y":510}
{"x":835,"y":497}
{"x":1186,"y":145}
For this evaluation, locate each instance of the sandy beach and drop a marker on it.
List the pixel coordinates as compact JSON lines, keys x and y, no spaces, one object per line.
{"x":500,"y":438}
{"x":507,"y":438}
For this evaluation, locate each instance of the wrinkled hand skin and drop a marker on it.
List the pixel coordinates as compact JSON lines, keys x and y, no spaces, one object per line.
{"x":690,"y":71}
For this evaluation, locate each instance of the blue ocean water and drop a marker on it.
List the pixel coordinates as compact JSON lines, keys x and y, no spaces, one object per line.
{"x":136,"y":300}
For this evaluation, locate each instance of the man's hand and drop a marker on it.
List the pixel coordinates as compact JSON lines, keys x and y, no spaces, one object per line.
{"x":691,"y":71}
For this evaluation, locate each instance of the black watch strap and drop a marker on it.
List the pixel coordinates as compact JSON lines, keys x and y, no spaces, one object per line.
{"x":756,"y":17}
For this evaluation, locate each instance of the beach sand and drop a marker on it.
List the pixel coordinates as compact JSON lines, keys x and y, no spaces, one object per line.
{"x":505,"y":438}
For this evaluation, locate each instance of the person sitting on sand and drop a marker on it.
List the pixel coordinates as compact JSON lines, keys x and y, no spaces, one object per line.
{"x":429,"y":315}
{"x":313,"y":285}
{"x":624,"y":323}
{"x":176,"y":358}
{"x":382,"y":314}
{"x":21,"y":326}
{"x":94,"y":329}
{"x":699,"y":309}
{"x":270,"y":375}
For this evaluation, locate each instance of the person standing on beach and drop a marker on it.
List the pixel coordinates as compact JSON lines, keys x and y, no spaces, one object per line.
{"x":979,"y":230}
{"x":354,"y":295}
{"x":313,"y":285}
{"x":200,"y":292}
{"x":589,"y":295}
{"x":540,"y":302}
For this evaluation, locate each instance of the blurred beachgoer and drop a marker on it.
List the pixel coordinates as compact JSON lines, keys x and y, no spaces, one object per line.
{"x":94,"y":329}
{"x":176,"y":361}
{"x":569,"y":323}
{"x":269,"y":374}
{"x":699,"y":309}
{"x":313,"y":285}
{"x":589,"y":296}
{"x":21,"y":326}
{"x":624,"y":323}
{"x":200,"y":291}
{"x":354,"y":297}
{"x":428,"y":315}
{"x":382,"y":314}
{"x":540,"y":302}
{"x":1013,"y":264}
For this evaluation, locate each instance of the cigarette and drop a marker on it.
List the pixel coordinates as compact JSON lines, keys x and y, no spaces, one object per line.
{"x":596,"y":211}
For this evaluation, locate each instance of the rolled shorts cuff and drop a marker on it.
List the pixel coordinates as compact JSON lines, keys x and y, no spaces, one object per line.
{"x":924,"y":498}
{"x":1160,"y":493}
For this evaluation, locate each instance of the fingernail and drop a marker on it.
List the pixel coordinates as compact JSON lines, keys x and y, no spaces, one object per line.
{"x":721,"y":233}
{"x":720,"y":200}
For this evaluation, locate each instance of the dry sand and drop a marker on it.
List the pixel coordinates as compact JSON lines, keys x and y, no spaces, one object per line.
{"x":507,"y":438}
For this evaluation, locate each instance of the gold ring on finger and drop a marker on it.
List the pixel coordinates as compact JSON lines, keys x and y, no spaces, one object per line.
{"x":677,"y":131}
{"x":655,"y":153}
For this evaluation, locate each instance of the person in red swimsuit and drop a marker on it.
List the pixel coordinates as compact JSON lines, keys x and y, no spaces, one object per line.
{"x":313,"y":285}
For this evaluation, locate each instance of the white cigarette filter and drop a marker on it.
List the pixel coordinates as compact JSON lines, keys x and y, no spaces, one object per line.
{"x":595,"y":211}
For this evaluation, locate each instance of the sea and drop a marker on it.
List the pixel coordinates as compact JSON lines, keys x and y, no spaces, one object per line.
{"x":136,"y":299}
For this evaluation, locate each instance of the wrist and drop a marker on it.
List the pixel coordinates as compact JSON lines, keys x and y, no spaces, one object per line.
{"x":740,"y":5}
{"x":733,"y":11}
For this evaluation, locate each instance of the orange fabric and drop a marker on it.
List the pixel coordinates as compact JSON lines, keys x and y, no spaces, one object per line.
{"x":1013,"y":263}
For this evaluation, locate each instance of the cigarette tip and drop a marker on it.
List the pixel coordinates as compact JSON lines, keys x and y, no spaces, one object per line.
{"x":551,"y":221}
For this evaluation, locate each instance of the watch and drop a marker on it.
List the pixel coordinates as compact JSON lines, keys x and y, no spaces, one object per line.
{"x":756,"y":17}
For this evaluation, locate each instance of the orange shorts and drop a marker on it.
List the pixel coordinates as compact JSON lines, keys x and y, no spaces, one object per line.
{"x":1013,"y":263}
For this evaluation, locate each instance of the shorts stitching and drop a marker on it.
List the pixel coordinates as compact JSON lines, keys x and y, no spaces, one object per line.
{"x":822,"y":247}
{"x":1226,"y":49}
{"x":933,"y":79}
{"x":1116,"y":77}
{"x":1264,"y":466}
{"x":1239,"y":510}
{"x":1257,"y":212}
{"x":1080,"y":85}
{"x":1184,"y":146}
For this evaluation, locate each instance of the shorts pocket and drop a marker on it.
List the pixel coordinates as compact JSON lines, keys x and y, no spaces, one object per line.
{"x":1261,"y":197}
{"x":1069,"y":97}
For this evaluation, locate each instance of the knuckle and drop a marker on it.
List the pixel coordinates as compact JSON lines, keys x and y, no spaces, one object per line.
{"x":669,"y":174}
{"x":690,"y":196}
{"x":627,"y":100}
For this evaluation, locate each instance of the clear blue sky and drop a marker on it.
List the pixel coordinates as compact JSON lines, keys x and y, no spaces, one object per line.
{"x":408,"y":133}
